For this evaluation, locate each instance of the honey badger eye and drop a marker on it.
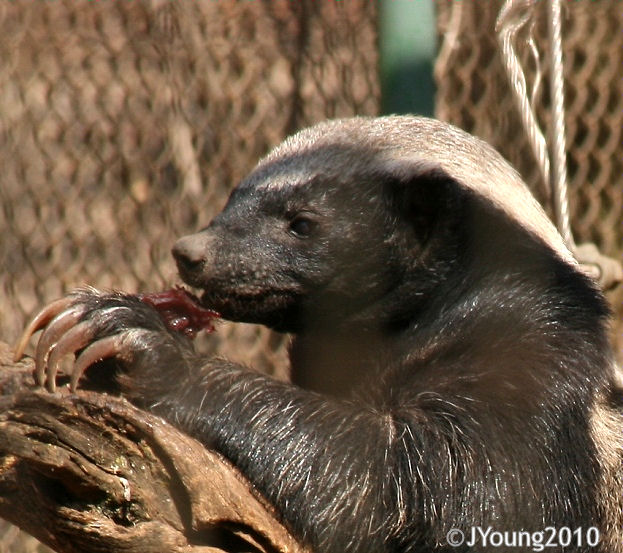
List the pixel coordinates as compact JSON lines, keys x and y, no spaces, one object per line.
{"x":301,"y":225}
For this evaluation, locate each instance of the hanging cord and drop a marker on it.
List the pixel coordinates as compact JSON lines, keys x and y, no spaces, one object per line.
{"x":450,"y":40}
{"x":558,"y":177}
{"x":515,"y":14}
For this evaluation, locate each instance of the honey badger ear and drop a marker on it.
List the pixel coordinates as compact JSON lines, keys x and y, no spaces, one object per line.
{"x":482,"y":180}
{"x":424,"y":194}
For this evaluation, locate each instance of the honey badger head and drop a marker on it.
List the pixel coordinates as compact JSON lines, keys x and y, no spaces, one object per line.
{"x":363,"y":222}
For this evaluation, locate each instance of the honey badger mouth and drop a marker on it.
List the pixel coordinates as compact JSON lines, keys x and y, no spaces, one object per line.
{"x":272,"y":308}
{"x":181,"y":310}
{"x":185,"y":312}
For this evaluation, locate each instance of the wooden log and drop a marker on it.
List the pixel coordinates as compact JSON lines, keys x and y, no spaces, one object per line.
{"x":89,"y":472}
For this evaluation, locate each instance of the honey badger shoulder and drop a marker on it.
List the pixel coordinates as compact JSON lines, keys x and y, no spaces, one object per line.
{"x":450,"y":361}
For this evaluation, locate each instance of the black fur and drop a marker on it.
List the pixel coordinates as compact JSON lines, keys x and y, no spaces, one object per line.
{"x":446,"y":360}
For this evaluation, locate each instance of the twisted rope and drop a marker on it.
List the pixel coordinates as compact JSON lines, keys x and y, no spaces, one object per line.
{"x":513,"y":17}
{"x":515,"y":14}
{"x":558,"y":177}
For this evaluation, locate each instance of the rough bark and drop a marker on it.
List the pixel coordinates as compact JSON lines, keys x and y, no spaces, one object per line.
{"x":88,"y":472}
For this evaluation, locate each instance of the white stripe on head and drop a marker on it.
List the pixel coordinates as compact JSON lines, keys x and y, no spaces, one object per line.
{"x":406,"y":145}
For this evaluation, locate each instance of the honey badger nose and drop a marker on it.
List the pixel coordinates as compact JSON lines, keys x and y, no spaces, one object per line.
{"x":190,"y":253}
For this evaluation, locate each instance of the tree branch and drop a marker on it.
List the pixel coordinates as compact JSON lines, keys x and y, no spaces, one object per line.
{"x":88,"y":472}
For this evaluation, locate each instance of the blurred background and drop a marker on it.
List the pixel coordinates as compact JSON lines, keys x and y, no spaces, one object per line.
{"x":124,"y":125}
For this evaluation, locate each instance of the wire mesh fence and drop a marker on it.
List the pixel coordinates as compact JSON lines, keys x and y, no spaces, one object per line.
{"x":124,"y":125}
{"x":473,"y":93}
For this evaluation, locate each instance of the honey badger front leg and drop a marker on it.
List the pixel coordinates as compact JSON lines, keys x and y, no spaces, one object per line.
{"x":277,"y":434}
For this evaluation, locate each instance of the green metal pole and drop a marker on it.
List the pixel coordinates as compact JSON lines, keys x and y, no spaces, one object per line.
{"x":407,"y":53}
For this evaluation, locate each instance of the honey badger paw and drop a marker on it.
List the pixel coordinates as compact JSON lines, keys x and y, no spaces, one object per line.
{"x":95,"y":326}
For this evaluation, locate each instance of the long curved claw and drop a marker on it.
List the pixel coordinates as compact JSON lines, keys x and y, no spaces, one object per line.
{"x":106,"y":348}
{"x":40,"y":320}
{"x":51,"y":335}
{"x":75,"y":339}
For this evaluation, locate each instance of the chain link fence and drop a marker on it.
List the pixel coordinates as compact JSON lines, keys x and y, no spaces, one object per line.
{"x":124,"y":125}
{"x":473,"y":93}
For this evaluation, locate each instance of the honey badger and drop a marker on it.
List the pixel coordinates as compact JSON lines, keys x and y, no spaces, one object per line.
{"x":450,"y":365}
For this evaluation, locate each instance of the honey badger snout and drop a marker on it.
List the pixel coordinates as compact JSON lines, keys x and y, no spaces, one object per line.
{"x":193,"y":253}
